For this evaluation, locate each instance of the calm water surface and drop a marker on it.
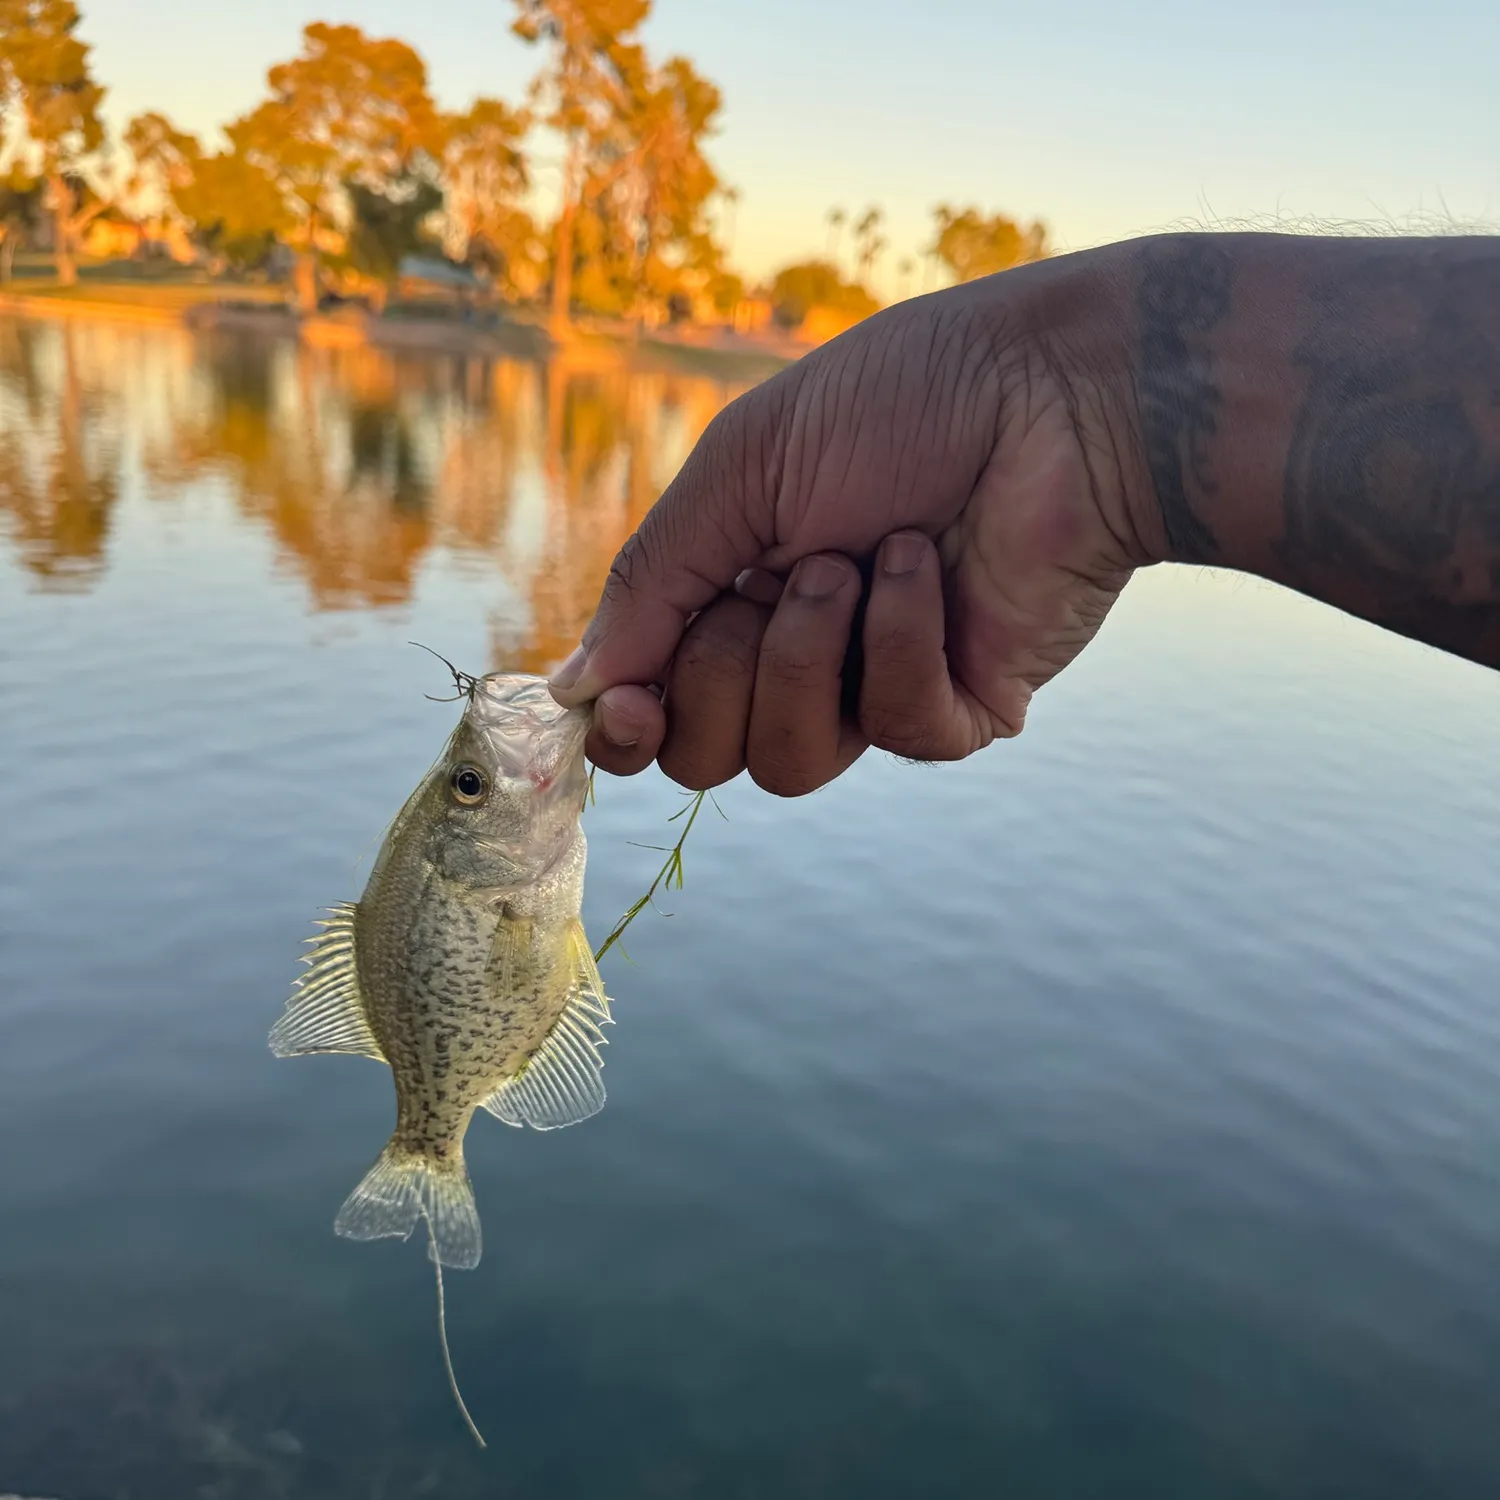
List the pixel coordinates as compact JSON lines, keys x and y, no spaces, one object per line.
{"x":1116,"y":1114}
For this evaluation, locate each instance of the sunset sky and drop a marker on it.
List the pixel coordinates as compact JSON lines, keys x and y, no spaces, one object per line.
{"x":1106,"y":120}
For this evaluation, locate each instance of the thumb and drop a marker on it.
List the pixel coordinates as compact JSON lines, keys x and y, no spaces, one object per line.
{"x":715,"y":519}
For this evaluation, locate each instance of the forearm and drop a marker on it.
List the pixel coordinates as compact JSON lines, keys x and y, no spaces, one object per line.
{"x":1326,"y":413}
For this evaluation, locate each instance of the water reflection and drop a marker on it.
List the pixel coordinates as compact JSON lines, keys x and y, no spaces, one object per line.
{"x":361,"y":464}
{"x":59,"y":456}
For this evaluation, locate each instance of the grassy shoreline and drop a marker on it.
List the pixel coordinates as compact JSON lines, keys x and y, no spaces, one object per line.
{"x":203,"y":306}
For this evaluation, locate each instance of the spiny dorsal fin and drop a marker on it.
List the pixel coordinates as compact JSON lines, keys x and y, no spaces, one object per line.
{"x":562,"y":1084}
{"x":325,"y":1012}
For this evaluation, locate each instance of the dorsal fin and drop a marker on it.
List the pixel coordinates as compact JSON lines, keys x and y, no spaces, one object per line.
{"x":325,"y":1012}
{"x":562,"y":1084}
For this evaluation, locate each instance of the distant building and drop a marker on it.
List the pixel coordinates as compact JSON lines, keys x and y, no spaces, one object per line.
{"x":112,"y":235}
{"x":281,"y":261}
{"x":430,"y":277}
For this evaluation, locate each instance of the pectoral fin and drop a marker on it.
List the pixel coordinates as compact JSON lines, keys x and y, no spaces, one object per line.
{"x":326,"y":1011}
{"x":511,"y":962}
{"x":562,"y":1085}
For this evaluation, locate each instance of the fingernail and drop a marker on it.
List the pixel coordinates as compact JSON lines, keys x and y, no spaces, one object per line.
{"x":818,"y":578}
{"x":758,"y":586}
{"x":570,"y":671}
{"x":619,"y":732}
{"x":902,"y":553}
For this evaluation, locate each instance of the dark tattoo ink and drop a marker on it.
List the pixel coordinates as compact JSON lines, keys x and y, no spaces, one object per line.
{"x":1183,"y":296}
{"x":1392,"y":482}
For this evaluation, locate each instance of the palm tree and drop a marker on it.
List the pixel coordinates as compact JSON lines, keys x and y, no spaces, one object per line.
{"x":836,"y":218}
{"x":869,"y":240}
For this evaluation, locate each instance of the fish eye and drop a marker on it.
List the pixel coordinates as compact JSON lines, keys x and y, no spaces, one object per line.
{"x":469,"y":785}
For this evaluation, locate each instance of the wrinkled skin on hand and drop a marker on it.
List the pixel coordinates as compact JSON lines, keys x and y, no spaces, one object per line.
{"x":970,"y":451}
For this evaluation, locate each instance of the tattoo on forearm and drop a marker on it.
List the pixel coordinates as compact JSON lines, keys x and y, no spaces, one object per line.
{"x":1183,"y":296}
{"x":1392,"y":482}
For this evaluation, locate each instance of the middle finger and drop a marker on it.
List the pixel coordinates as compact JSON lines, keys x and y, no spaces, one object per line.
{"x":799,"y":738}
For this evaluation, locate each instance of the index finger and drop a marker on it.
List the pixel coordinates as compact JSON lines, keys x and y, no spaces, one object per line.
{"x":715,"y":519}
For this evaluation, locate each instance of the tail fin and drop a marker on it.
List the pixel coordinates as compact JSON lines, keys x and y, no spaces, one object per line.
{"x":403,"y":1186}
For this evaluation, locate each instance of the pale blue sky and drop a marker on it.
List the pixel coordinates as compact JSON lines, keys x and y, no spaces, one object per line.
{"x":1106,"y":119}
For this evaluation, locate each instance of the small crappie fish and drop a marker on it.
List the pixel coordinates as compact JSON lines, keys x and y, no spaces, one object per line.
{"x":464,"y":965}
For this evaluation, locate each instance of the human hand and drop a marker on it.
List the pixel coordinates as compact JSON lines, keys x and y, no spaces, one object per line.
{"x":970,"y":447}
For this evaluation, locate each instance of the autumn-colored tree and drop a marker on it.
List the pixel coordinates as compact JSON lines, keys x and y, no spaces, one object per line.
{"x":236,"y":212}
{"x":163,"y":154}
{"x":602,"y":262}
{"x":52,"y":102}
{"x":972,"y":245}
{"x":725,"y":291}
{"x":485,"y":177}
{"x":798,"y":289}
{"x":349,"y":108}
{"x":663,"y":195}
{"x":165,"y":159}
{"x":634,"y":237}
{"x":387,"y":226}
{"x":230,"y":207}
{"x":20,"y":213}
{"x":582,"y":93}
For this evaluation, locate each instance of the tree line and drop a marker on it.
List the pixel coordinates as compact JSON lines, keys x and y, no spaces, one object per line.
{"x":347,"y":166}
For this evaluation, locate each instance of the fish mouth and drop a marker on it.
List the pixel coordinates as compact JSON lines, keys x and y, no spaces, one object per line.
{"x":574,"y":727}
{"x":513,"y":692}
{"x":529,"y":731}
{"x":561,"y":752}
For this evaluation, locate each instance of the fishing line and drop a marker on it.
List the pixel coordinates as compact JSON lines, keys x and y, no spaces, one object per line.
{"x":437,"y":1267}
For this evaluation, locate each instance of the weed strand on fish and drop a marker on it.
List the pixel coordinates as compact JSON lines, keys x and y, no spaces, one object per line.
{"x":464,"y":682}
{"x":442,"y":1317}
{"x":670,"y":874}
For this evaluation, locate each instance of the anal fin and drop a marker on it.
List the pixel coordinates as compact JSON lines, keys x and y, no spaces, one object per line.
{"x":325,"y":1012}
{"x":563,"y":1083}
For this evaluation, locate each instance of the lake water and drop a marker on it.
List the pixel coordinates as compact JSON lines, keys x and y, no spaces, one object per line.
{"x":1116,"y":1114}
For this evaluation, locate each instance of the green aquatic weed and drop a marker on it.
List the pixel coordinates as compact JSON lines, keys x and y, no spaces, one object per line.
{"x":670,"y":874}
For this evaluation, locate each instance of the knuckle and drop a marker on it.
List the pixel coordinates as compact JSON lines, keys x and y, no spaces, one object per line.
{"x":716,"y":654}
{"x":898,"y":639}
{"x":896,"y":729}
{"x":792,"y":668}
{"x":631,"y":562}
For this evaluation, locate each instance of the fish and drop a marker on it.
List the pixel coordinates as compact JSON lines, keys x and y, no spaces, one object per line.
{"x":464,"y":965}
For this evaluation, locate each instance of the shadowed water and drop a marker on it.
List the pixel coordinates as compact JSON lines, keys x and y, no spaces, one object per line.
{"x":1115,"y":1114}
